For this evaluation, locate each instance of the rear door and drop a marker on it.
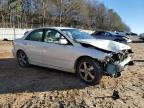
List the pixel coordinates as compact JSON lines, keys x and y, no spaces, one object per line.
{"x":33,"y":47}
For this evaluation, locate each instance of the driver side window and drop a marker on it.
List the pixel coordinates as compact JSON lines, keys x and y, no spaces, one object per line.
{"x":35,"y":35}
{"x":52,"y":36}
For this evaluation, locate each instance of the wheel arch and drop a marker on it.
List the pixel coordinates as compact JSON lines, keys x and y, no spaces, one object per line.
{"x":23,"y":51}
{"x":19,"y":51}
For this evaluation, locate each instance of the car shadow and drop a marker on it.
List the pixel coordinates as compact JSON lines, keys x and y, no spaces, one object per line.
{"x":14,"y":79}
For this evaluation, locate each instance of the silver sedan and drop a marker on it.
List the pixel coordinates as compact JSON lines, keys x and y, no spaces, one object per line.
{"x":69,"y":49}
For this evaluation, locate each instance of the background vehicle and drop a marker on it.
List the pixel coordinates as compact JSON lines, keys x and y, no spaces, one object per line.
{"x":141,"y":36}
{"x":70,"y":50}
{"x":111,"y":36}
{"x":131,"y":34}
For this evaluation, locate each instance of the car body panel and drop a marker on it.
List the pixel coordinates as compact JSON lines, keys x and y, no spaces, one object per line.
{"x":105,"y":44}
{"x":62,"y":57}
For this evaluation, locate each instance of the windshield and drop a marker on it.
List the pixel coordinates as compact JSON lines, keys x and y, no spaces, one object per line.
{"x":76,"y":34}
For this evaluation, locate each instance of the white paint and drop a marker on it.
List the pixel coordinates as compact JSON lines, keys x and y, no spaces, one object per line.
{"x":105,"y":44}
{"x":11,"y":33}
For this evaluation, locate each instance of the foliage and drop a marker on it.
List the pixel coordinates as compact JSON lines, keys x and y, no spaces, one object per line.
{"x":86,"y":14}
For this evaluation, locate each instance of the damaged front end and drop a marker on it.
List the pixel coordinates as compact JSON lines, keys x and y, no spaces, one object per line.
{"x":118,"y":56}
{"x":118,"y":62}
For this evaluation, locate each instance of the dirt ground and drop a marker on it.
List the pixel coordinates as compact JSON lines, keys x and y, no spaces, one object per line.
{"x":37,"y":87}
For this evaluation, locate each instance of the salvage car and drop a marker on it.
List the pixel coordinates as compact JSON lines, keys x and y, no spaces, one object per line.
{"x":108,"y":35}
{"x":70,"y":50}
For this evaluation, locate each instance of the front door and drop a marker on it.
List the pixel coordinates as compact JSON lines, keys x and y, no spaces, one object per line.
{"x":54,"y":53}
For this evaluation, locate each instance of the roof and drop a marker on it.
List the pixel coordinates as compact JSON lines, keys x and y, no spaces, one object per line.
{"x":59,"y":28}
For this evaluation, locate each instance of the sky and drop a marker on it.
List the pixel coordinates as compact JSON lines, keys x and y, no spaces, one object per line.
{"x":131,"y":12}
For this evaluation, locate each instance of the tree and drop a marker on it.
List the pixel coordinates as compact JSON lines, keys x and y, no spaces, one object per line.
{"x":86,"y":14}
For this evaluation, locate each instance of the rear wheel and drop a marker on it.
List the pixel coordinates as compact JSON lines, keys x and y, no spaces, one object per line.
{"x":22,"y":59}
{"x":89,"y":71}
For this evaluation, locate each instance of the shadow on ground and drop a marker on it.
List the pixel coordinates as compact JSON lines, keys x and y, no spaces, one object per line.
{"x":14,"y":79}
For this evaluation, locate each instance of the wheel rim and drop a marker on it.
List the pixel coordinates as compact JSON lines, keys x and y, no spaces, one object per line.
{"x":87,"y":71}
{"x":22,"y":59}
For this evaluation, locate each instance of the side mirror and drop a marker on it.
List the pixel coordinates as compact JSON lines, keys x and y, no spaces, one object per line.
{"x":63,"y":41}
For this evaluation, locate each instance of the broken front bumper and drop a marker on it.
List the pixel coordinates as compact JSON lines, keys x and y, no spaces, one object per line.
{"x":115,"y":68}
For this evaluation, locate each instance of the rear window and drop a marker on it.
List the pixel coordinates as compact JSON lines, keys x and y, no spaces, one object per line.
{"x":35,"y":35}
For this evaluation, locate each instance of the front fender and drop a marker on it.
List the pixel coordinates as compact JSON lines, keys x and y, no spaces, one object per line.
{"x":96,"y":54}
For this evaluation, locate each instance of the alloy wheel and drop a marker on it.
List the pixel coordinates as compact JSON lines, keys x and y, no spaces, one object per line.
{"x":86,"y":71}
{"x":22,"y":58}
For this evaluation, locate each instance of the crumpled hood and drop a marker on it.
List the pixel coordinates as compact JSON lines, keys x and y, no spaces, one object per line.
{"x":105,"y":44}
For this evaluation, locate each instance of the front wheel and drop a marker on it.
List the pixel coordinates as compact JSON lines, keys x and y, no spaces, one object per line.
{"x":22,"y":59}
{"x":89,"y":71}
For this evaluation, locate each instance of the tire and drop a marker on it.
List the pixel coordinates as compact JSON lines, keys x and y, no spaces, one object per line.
{"x":22,"y":59}
{"x":89,"y":71}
